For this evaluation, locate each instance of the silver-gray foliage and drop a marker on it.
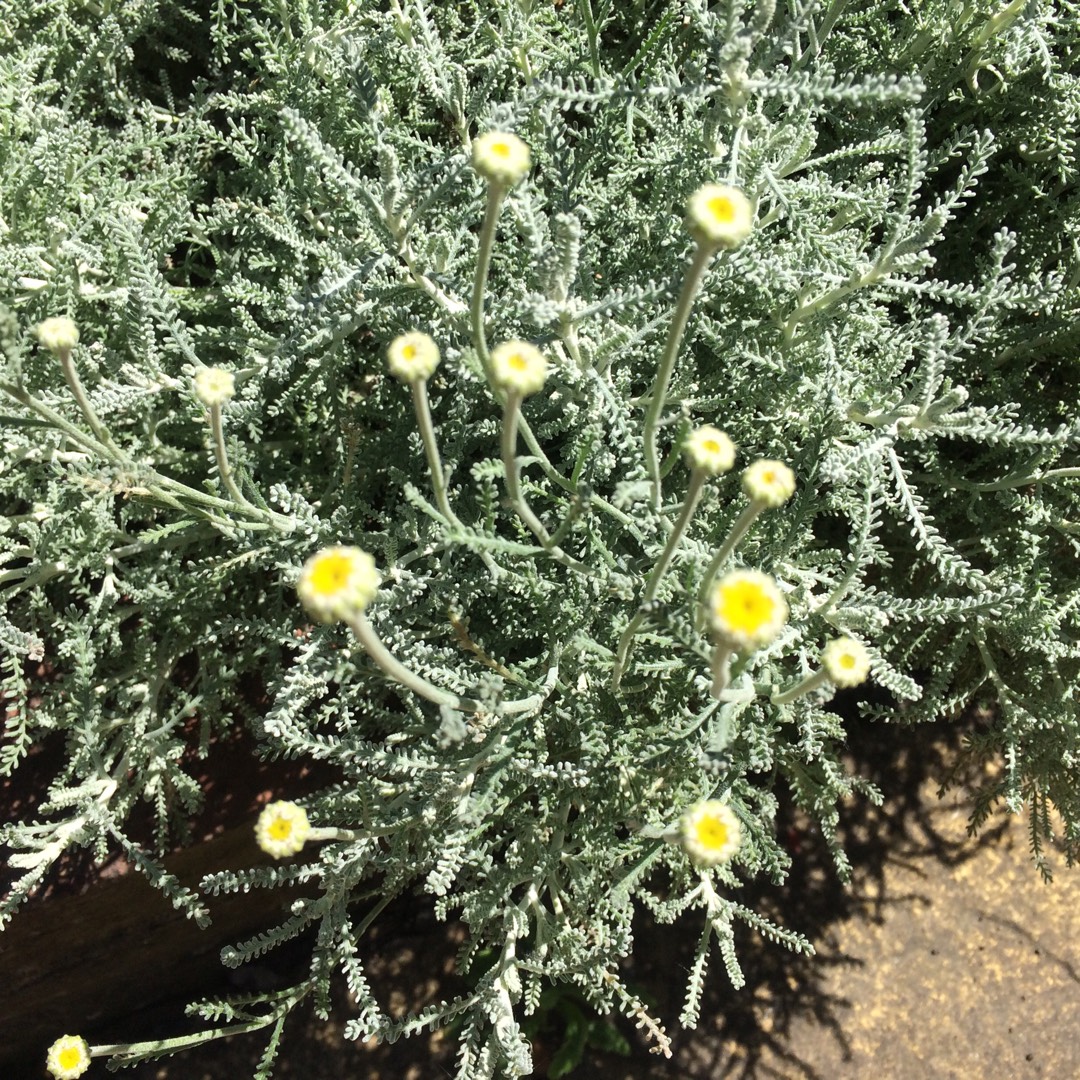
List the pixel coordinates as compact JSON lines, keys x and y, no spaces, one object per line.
{"x":284,"y":198}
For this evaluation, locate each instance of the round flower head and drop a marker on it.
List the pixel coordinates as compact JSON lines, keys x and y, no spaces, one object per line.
{"x":412,"y":357}
{"x":769,"y":482}
{"x":337,"y":582}
{"x":709,"y":449}
{"x":710,"y":832}
{"x":214,"y":385}
{"x":747,"y":610}
{"x":68,"y":1058}
{"x":720,"y":215}
{"x":846,"y":661}
{"x":58,"y":334}
{"x":282,"y":829}
{"x":500,"y":157}
{"x":518,"y":367}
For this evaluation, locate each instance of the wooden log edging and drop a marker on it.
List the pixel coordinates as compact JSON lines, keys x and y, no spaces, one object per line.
{"x":71,"y":963}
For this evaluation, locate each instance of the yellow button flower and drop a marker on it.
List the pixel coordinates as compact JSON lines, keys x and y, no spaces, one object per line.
{"x":518,"y":368}
{"x":720,"y":215}
{"x":710,"y":832}
{"x":747,"y":610}
{"x":709,"y":449}
{"x":214,"y":385}
{"x":412,"y":357}
{"x":500,"y":157}
{"x":337,"y":582}
{"x":846,"y":661}
{"x":282,"y":829}
{"x":58,"y":334}
{"x":768,"y":482}
{"x":68,"y":1057}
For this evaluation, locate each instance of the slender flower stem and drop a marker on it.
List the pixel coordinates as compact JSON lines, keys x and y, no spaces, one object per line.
{"x":703,"y":253}
{"x":101,"y":432}
{"x":126,"y":1052}
{"x":511,"y":417}
{"x":721,"y":668}
{"x":738,"y":530}
{"x":652,"y":586}
{"x":152,"y":484}
{"x":811,"y":682}
{"x":222,"y":457}
{"x":511,"y":413}
{"x":396,"y":670}
{"x":496,"y":192}
{"x":431,"y":449}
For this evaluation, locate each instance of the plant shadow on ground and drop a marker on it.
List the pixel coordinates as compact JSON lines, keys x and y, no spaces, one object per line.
{"x":742,"y":1034}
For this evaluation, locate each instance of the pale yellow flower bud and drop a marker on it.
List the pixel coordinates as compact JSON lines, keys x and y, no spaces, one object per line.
{"x":709,"y":449}
{"x":710,"y":832}
{"x":720,"y":215}
{"x":337,"y":582}
{"x":771,"y":483}
{"x":282,"y":829}
{"x":68,"y":1058}
{"x":214,"y":385}
{"x":747,"y":610}
{"x":846,"y":661}
{"x":58,"y":334}
{"x":412,"y":357}
{"x":518,"y":368}
{"x":500,"y":157}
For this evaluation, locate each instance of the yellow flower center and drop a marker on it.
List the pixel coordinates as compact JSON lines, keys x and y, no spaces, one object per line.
{"x":711,"y":446}
{"x":331,"y":574}
{"x":500,"y":149}
{"x":722,"y":209}
{"x":745,"y":606}
{"x":69,"y":1057}
{"x":518,"y":362}
{"x":409,"y":352}
{"x":280,"y":828}
{"x":712,"y":832}
{"x":768,"y":477}
{"x":847,"y":661}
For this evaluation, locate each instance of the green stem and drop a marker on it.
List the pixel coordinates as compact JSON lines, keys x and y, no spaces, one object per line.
{"x":222,"y":458}
{"x":652,"y":586}
{"x":101,"y":433}
{"x":737,"y":531}
{"x":511,"y":418}
{"x":801,"y":688}
{"x":691,"y":283}
{"x":483,"y":263}
{"x":511,"y":413}
{"x":396,"y":670}
{"x":721,"y":668}
{"x":126,"y":1052}
{"x":431,"y":449}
